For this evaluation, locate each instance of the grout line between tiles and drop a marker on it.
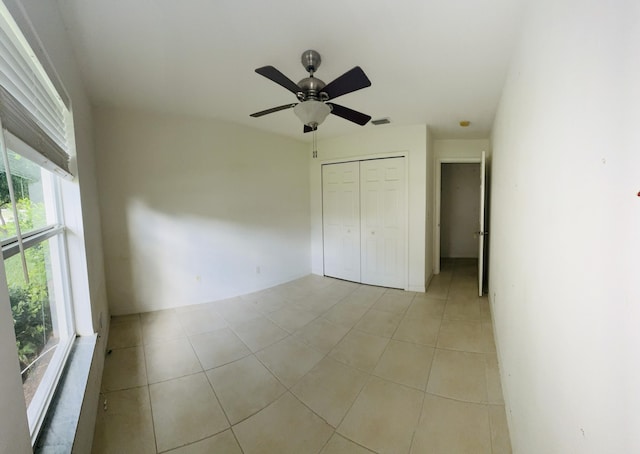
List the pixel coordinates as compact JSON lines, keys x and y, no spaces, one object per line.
{"x":424,"y":396}
{"x":153,"y":422}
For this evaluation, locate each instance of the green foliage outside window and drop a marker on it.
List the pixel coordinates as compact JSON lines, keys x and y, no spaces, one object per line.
{"x":29,"y":301}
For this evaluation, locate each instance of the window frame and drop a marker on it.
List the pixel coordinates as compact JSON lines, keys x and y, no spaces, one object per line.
{"x":10,"y":247}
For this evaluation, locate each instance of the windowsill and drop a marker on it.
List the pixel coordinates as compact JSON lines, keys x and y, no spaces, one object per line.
{"x":59,"y":429}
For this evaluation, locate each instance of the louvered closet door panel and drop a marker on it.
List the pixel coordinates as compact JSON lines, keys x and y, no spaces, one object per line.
{"x":383,"y":222}
{"x":341,"y":220}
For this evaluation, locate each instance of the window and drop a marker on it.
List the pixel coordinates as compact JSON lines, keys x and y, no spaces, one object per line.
{"x":33,"y":249}
{"x":35,"y":125}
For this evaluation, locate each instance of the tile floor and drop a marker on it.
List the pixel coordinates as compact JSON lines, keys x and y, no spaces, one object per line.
{"x":317,"y":365}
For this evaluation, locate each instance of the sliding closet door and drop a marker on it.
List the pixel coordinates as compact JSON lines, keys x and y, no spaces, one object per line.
{"x":341,"y":220}
{"x":383,"y":221}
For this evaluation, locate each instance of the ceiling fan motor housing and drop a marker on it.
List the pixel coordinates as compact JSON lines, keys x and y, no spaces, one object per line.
{"x":311,"y":88}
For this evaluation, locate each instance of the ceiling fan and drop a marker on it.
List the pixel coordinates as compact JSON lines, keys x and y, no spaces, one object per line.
{"x":314,"y":94}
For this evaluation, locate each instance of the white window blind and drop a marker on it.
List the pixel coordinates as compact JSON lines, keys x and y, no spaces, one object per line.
{"x":30,"y":106}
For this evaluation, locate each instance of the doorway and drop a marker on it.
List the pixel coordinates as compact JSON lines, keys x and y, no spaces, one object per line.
{"x":460,"y":211}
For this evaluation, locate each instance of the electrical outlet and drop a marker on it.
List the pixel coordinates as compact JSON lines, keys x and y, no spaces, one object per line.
{"x":315,"y":154}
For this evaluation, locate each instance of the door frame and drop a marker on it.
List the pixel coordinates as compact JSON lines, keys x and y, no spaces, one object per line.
{"x":399,"y":154}
{"x":438,"y":203}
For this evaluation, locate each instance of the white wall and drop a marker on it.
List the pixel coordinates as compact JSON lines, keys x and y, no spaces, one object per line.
{"x":375,"y":142}
{"x":191,"y":208}
{"x":565,"y":244}
{"x":80,"y":211}
{"x":460,"y":148}
{"x":460,"y":210}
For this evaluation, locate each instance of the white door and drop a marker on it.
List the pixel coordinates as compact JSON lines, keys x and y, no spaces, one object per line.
{"x":383,"y":221}
{"x":341,"y":220}
{"x":481,"y":232}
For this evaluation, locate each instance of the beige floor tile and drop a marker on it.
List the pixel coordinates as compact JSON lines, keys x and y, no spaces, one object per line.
{"x":330,"y":389}
{"x":342,"y":289}
{"x":365,"y":296}
{"x":318,"y":303}
{"x":314,"y":282}
{"x":321,"y":334}
{"x":419,"y":331}
{"x":405,"y":363}
{"x":244,"y":387}
{"x":458,"y":375}
{"x":423,"y":307}
{"x":368,"y":291}
{"x":289,"y":360}
{"x":223,"y":443}
{"x":260,"y":333}
{"x":125,"y":333}
{"x":284,"y":427}
{"x":170,"y":359}
{"x":499,"y":430}
{"x":237,"y":312}
{"x":360,"y":350}
{"x":159,"y":326}
{"x":400,"y":292}
{"x":494,"y":386}
{"x":185,"y":410}
{"x":291,"y":319}
{"x":383,"y":417}
{"x":267,"y":301}
{"x":463,"y":309}
{"x":448,"y":426}
{"x":292,"y":291}
{"x":488,"y":341}
{"x":126,"y":424}
{"x":340,"y":445}
{"x":201,"y":321}
{"x":485,"y":309}
{"x":218,"y":347}
{"x":462,"y":335}
{"x":124,"y":368}
{"x":463,"y":288}
{"x":439,"y":285}
{"x":394,"y":302}
{"x":379,"y":323}
{"x":346,"y":313}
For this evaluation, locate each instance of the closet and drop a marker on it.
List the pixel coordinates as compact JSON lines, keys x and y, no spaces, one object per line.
{"x":364,"y":218}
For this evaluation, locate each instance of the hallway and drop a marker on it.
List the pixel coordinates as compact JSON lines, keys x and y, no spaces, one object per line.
{"x":316,"y":365}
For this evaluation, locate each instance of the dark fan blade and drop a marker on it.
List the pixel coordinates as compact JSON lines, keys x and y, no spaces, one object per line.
{"x":307,"y":128}
{"x":349,"y":114}
{"x":352,"y":80}
{"x":272,"y":110}
{"x":273,"y":74}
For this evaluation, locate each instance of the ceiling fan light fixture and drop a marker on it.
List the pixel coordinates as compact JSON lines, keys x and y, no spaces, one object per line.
{"x":311,"y":112}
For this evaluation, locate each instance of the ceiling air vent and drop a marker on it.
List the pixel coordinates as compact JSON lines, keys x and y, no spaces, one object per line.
{"x":381,"y":121}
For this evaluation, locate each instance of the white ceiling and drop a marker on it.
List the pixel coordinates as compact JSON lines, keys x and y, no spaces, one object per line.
{"x":432,"y":62}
